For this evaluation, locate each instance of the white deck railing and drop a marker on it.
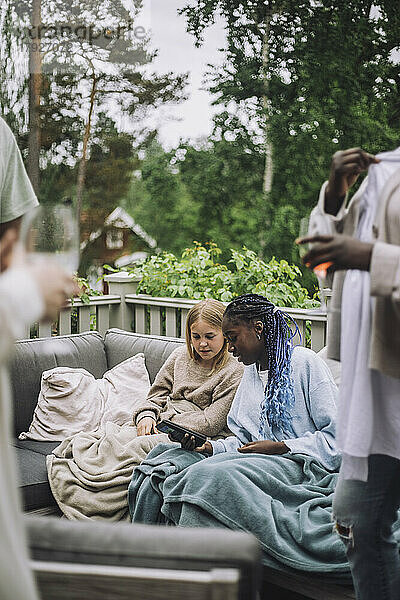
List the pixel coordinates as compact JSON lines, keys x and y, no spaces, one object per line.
{"x":127,"y":310}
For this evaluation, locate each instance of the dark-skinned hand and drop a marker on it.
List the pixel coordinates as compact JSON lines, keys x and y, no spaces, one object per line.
{"x":264,"y":447}
{"x":188,"y":443}
{"x":346,"y":166}
{"x":343,"y":251}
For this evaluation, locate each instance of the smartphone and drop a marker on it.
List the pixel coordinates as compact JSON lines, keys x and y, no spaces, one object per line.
{"x":177,"y":432}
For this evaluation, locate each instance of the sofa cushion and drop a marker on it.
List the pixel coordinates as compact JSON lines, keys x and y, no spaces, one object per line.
{"x":32,"y":473}
{"x":44,"y":448}
{"x":86,"y":350}
{"x":120,"y":344}
{"x":72,"y":400}
{"x":32,"y":357}
{"x":335,"y":366}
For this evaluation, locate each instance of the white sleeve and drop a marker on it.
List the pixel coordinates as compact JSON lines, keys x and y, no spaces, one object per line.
{"x":236,"y":421}
{"x":319,"y":395}
{"x":21,"y":303}
{"x":229,"y":444}
{"x":323,"y":223}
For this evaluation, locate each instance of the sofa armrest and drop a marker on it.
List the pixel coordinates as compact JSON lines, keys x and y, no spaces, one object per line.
{"x":71,"y":581}
{"x":137,"y":546}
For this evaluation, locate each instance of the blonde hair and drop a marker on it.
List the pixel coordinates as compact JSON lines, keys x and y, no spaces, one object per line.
{"x":211,"y":311}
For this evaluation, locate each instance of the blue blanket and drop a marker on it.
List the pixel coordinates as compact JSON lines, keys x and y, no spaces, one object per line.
{"x":285,"y":501}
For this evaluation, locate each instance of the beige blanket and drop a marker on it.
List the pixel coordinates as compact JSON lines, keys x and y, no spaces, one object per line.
{"x":89,"y":472}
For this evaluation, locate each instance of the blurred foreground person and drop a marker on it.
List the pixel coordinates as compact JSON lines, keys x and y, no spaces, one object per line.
{"x":364,"y":334}
{"x":27,"y":293}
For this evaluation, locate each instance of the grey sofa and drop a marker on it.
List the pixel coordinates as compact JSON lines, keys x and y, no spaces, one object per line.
{"x":74,"y":560}
{"x":86,"y":350}
{"x":79,"y":559}
{"x":121,"y":544}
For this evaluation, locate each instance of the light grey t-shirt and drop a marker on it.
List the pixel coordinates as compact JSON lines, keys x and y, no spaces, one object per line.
{"x":16,"y":286}
{"x":16,"y":193}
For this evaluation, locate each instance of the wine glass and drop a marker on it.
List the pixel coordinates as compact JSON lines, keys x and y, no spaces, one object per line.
{"x":320,"y":271}
{"x":51,"y":232}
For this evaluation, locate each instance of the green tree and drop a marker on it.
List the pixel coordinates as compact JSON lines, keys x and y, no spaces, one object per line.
{"x":109,"y":170}
{"x":95,"y":64}
{"x":328,"y":80}
{"x":209,"y":190}
{"x":12,"y":96}
{"x":340,"y":91}
{"x":158,"y":200}
{"x":223,"y":175}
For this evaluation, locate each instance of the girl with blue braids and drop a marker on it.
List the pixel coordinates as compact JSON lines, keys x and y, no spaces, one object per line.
{"x":275,"y":475}
{"x":286,"y":401}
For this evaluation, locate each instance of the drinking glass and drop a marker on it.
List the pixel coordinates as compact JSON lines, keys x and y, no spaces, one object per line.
{"x":320,"y":271}
{"x":51,"y":232}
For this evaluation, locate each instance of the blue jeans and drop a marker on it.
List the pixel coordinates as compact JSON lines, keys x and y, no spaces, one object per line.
{"x":364,"y":513}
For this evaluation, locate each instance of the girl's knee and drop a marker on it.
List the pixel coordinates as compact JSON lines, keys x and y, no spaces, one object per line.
{"x":210,"y":471}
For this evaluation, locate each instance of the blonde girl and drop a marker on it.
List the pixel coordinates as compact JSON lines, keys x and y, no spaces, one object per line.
{"x":197,"y":383}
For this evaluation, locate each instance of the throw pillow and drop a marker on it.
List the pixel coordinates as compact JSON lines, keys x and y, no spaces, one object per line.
{"x":72,"y":400}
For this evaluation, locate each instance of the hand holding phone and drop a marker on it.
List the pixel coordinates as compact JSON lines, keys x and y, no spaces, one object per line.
{"x":188,"y":443}
{"x":188,"y":438}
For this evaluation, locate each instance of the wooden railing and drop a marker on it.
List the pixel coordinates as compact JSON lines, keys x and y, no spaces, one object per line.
{"x":127,"y":310}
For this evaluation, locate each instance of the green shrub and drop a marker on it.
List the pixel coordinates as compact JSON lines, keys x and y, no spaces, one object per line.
{"x":85,"y":291}
{"x":198,"y":275}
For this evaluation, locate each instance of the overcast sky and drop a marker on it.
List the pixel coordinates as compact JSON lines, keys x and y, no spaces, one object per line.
{"x":178,"y":53}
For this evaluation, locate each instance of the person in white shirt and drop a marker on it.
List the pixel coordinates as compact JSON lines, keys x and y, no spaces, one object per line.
{"x":27,"y":292}
{"x":364,"y":332}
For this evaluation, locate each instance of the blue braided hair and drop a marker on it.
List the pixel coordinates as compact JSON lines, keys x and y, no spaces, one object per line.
{"x":278,"y":339}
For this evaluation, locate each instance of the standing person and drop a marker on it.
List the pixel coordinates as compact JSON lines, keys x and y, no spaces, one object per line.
{"x":26,"y":294}
{"x":364,"y":334}
{"x":275,"y":475}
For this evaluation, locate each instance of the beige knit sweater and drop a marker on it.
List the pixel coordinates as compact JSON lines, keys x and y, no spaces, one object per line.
{"x":185,"y":392}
